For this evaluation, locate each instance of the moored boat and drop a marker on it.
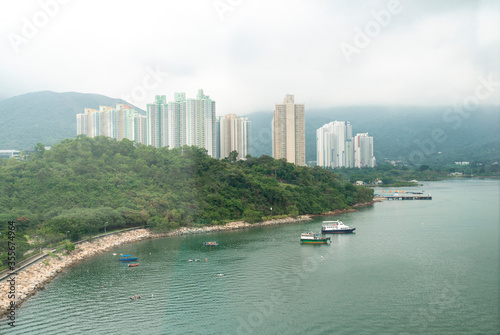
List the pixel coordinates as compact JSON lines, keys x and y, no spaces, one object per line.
{"x":127,"y":258}
{"x":132,"y":265}
{"x":336,"y":227}
{"x":313,"y":238}
{"x":211,"y":243}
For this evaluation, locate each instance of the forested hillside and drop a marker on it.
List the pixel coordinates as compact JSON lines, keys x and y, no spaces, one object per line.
{"x":46,"y":117}
{"x":79,"y":184}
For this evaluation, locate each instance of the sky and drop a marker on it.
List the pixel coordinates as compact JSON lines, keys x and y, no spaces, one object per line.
{"x":247,"y":54}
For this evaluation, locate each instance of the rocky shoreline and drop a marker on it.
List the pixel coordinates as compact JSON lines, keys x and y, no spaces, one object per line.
{"x":34,"y":278}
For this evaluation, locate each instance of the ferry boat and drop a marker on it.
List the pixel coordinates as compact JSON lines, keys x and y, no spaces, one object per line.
{"x":313,"y":238}
{"x":336,"y":227}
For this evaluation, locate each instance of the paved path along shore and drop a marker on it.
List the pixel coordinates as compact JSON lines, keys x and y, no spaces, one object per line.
{"x":33,"y":278}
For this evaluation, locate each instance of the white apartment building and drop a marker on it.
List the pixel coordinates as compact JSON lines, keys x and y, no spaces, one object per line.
{"x":233,"y":133}
{"x":120,"y":122}
{"x":156,"y":114}
{"x":363,"y":151}
{"x":182,"y":122}
{"x":334,"y":145}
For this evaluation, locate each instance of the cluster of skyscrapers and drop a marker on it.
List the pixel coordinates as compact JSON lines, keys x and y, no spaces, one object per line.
{"x":193,"y":122}
{"x":120,"y":122}
{"x":172,"y":124}
{"x":336,"y":147}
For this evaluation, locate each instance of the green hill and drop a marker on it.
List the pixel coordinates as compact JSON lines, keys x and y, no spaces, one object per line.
{"x":46,"y":117}
{"x":79,"y":184}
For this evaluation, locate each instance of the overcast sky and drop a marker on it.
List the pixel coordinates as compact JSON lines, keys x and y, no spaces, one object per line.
{"x":247,"y":54}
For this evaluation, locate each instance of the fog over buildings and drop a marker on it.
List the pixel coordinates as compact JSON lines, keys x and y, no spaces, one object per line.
{"x":328,"y":53}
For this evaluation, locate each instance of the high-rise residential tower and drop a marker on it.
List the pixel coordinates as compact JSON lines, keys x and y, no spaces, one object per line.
{"x":205,"y":123}
{"x":363,"y":151}
{"x":337,"y":148}
{"x":120,"y":122}
{"x":234,"y":135}
{"x":156,"y":115}
{"x":334,"y":145}
{"x":288,"y":127}
{"x":182,"y":122}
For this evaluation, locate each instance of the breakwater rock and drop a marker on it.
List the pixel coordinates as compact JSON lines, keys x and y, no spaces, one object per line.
{"x":28,"y":281}
{"x":231,"y":226}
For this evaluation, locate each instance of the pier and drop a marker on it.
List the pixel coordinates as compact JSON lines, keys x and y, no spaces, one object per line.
{"x":403,"y":196}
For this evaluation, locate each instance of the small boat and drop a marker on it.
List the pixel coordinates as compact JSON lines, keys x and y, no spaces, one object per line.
{"x":336,"y":227}
{"x":132,"y":265}
{"x":127,"y":258}
{"x":313,"y":238}
{"x":211,"y":243}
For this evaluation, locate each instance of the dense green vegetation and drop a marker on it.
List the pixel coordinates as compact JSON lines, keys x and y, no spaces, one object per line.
{"x":79,"y":185}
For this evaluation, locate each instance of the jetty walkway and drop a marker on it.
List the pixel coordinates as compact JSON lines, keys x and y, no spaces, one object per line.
{"x":401,"y":196}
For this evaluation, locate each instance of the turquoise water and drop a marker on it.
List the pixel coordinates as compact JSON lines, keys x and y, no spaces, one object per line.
{"x":413,"y":267}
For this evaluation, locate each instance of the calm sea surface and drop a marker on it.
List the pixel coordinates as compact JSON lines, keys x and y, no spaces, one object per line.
{"x":413,"y":267}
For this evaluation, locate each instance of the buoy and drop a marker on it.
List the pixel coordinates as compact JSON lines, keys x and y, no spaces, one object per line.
{"x":206,"y":259}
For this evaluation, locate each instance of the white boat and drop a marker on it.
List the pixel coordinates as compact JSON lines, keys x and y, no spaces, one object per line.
{"x":335,"y":227}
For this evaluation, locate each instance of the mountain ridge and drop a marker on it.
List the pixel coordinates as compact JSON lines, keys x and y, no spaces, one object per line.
{"x":45,"y":116}
{"x":400,"y":132}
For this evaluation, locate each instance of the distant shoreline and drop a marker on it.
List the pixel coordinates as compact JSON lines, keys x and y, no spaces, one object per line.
{"x":34,"y":278}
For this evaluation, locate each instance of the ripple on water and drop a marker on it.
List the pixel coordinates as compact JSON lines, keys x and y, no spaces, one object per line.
{"x":394,"y":275}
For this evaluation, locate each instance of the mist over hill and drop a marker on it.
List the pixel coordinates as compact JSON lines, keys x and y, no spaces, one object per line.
{"x":47,"y":117}
{"x":416,"y":135}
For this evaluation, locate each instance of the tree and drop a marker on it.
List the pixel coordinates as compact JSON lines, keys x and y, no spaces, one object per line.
{"x":39,"y":150}
{"x":233,"y":156}
{"x":423,"y":167}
